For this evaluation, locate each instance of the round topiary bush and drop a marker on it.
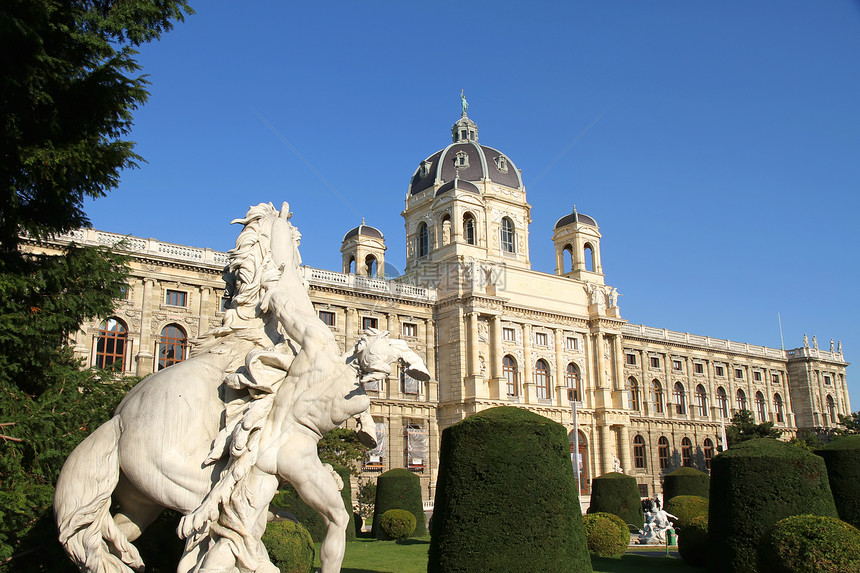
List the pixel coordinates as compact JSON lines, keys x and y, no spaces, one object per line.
{"x":288,"y":499}
{"x":399,"y":489}
{"x":506,"y":497}
{"x":290,"y":546}
{"x":842,"y":458}
{"x":753,"y":485}
{"x":693,"y":541}
{"x":811,"y":544}
{"x":686,"y":508}
{"x":618,"y":494}
{"x":396,"y":524}
{"x":606,"y":534}
{"x":686,"y":481}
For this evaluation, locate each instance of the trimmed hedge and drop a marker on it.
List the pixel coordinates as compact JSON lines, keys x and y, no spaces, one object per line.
{"x":288,"y":499}
{"x":617,"y":493}
{"x":693,"y":542}
{"x":842,"y":458}
{"x":686,"y":481}
{"x":755,"y":484}
{"x":396,"y":524}
{"x":399,"y":489}
{"x":811,"y":544}
{"x":686,"y":508}
{"x":606,"y":534}
{"x":289,"y":546}
{"x":506,"y":497}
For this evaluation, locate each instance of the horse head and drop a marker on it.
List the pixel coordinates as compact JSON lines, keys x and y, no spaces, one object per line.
{"x":375,"y":351}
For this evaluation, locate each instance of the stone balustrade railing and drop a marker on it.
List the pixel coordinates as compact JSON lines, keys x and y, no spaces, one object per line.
{"x":367,"y":284}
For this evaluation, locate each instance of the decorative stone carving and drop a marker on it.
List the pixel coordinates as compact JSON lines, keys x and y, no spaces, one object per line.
{"x":213,"y":436}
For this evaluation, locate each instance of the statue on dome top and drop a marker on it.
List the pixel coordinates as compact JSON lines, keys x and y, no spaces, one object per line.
{"x":463,"y":101}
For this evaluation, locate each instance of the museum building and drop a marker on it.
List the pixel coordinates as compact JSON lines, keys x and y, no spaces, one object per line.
{"x":491,"y":330}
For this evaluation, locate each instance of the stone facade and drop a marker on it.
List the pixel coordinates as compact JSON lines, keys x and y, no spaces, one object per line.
{"x":492,"y":331}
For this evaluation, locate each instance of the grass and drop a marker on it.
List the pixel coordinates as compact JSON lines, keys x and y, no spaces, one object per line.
{"x":372,"y":556}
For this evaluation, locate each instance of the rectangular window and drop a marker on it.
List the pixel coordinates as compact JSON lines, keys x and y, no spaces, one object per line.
{"x":508,"y":334}
{"x":225,"y":304}
{"x":540,"y":338}
{"x":176,"y":298}
{"x":123,"y":292}
{"x":698,"y":368}
{"x":676,"y":365}
{"x":327,"y":317}
{"x":369,"y":322}
{"x":643,"y":490}
{"x":756,"y":375}
{"x":774,"y":378}
{"x":827,"y":380}
{"x":739,"y":373}
{"x":409,"y":329}
{"x":416,"y":447}
{"x":631,"y":359}
{"x":719,"y":370}
{"x":571,"y":343}
{"x":655,"y":362}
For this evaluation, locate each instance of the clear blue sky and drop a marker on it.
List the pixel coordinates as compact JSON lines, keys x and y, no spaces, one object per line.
{"x":717,"y":144}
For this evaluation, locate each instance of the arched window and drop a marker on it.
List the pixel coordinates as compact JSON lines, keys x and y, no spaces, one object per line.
{"x":634,"y":393}
{"x":370,"y":266}
{"x":350,"y":266}
{"x":686,"y":452}
{"x":542,"y":379}
{"x":111,"y":343}
{"x":680,"y":396}
{"x":657,"y":396}
{"x":741,"y":400}
{"x":760,"y":407}
{"x":708,"y":449}
{"x":777,"y":408}
{"x":663,"y":452}
{"x":423,"y":241}
{"x":639,"y":452}
{"x":509,"y":370}
{"x":171,"y":346}
{"x":469,"y":234}
{"x":722,"y":402}
{"x":831,"y":408}
{"x":571,"y":379}
{"x":701,"y":400}
{"x":588,"y":257}
{"x":567,"y":258}
{"x":509,"y":236}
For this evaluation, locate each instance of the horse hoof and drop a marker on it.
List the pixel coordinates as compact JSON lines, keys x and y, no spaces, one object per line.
{"x":366,"y":439}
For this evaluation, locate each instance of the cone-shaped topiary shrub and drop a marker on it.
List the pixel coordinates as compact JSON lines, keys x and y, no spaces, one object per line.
{"x":693,"y":541}
{"x":396,"y":524}
{"x":617,"y":493}
{"x":811,"y":544}
{"x":506,"y":498}
{"x":399,"y":489}
{"x":842,"y":458}
{"x":288,"y":499}
{"x":754,"y":484}
{"x":685,"y":508}
{"x":686,"y":481}
{"x":290,"y":546}
{"x":606,"y":534}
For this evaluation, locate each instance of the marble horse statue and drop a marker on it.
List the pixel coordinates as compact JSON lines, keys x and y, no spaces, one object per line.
{"x":214,"y":437}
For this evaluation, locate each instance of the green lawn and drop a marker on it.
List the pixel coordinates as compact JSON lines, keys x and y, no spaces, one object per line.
{"x":371,"y":556}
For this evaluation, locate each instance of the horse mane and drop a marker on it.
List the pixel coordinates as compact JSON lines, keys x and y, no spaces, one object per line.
{"x":249,"y":266}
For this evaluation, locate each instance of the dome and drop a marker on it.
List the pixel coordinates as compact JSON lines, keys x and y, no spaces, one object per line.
{"x":364,"y":231}
{"x":575,"y":218}
{"x":466,"y":160}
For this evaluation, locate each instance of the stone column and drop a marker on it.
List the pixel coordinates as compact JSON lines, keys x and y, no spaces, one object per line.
{"x":391,"y":325}
{"x":601,"y":362}
{"x":496,"y":346}
{"x":203,"y":311}
{"x":430,"y":346}
{"x":605,"y":449}
{"x":350,"y":328}
{"x":560,"y":381}
{"x":144,"y":351}
{"x":619,"y":363}
{"x":624,"y":447}
{"x":474,"y":365}
{"x":527,"y":362}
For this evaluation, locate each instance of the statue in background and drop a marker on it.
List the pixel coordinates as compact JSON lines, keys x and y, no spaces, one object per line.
{"x":214,"y":437}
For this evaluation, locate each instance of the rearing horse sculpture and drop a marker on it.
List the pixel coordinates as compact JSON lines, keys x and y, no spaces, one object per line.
{"x":214,"y":436}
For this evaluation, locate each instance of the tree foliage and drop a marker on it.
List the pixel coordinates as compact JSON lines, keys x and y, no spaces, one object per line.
{"x":341,"y":446}
{"x":743,"y":428}
{"x":69,"y":83}
{"x":850,"y":424}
